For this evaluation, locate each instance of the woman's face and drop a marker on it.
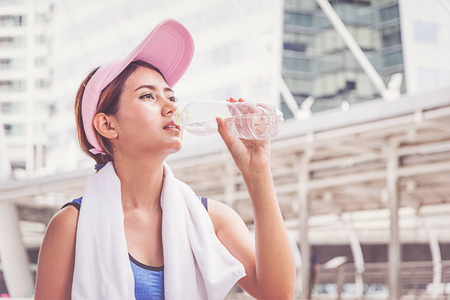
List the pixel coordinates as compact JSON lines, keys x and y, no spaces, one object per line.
{"x":144,"y":123}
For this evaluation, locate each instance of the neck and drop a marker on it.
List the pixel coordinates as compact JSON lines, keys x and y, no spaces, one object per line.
{"x":141,"y":182}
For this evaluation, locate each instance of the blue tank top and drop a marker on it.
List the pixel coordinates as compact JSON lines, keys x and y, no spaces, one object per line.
{"x":148,"y":280}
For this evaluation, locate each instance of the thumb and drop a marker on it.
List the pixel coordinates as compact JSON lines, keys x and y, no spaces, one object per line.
{"x":224,"y":132}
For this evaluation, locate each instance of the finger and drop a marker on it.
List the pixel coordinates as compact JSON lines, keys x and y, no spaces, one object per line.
{"x":243,"y":109}
{"x":234,"y":110}
{"x":224,"y":132}
{"x":247,"y":109}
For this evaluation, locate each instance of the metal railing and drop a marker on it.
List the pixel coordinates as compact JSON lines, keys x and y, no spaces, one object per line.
{"x":416,"y":279}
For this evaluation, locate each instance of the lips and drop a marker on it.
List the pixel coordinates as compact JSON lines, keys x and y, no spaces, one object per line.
{"x":171,"y":125}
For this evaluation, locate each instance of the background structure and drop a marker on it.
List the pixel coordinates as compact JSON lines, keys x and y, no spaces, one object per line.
{"x":362,"y":163}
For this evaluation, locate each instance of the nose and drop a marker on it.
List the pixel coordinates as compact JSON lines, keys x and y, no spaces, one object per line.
{"x":169,"y":108}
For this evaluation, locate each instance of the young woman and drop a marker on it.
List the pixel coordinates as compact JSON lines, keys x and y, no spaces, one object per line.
{"x":138,"y":233}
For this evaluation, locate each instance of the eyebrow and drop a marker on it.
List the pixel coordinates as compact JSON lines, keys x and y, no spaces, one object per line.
{"x":151,"y":87}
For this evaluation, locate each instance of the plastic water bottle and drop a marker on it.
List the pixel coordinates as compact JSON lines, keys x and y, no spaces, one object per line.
{"x":245,"y":120}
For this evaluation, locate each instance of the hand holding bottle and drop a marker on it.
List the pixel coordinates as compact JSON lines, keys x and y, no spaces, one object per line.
{"x":252,"y":157}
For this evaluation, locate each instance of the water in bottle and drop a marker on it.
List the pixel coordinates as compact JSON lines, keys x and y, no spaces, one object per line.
{"x":246,"y":120}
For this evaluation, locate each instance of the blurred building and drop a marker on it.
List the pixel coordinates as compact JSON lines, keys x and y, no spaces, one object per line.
{"x":396,"y":36}
{"x":248,"y":49}
{"x":25,"y":80}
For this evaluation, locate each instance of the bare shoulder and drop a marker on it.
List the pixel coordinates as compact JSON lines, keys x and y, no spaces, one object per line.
{"x":64,"y":219}
{"x":62,"y":227}
{"x":57,"y":255}
{"x":221,"y":214}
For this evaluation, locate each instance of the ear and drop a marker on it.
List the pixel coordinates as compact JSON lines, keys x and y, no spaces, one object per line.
{"x":104,"y":125}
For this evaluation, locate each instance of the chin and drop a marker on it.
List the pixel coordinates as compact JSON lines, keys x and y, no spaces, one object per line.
{"x":173,"y":148}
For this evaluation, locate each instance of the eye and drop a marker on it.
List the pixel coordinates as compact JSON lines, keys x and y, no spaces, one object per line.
{"x":147,"y":96}
{"x":172,"y":98}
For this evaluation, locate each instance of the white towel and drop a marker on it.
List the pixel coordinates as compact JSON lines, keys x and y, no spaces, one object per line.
{"x":196,"y":264}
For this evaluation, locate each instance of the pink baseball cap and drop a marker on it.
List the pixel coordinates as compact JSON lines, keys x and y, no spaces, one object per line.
{"x":169,"y":47}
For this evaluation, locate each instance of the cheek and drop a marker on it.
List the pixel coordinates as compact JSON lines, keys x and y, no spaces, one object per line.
{"x":144,"y":120}
{"x":138,"y":119}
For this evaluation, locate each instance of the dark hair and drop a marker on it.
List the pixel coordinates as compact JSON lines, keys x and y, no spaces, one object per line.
{"x":108,"y":104}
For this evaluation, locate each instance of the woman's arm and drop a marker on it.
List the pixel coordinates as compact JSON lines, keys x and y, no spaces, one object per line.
{"x":270,"y":269}
{"x":57,"y":256}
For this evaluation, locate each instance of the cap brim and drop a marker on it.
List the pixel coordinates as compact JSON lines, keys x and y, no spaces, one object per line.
{"x":169,"y":47}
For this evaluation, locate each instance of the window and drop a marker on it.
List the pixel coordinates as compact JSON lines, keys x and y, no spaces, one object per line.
{"x":12,"y":85}
{"x":297,"y":64}
{"x":12,"y":63}
{"x":9,"y":2}
{"x":332,"y":63}
{"x":297,"y":42}
{"x":11,"y":20}
{"x":298,"y":19}
{"x":12,"y":107}
{"x":9,"y":41}
{"x":299,"y":86}
{"x":14,"y":129}
{"x":353,"y":2}
{"x":305,"y":4}
{"x":392,"y":59}
{"x":5,"y":63}
{"x":366,"y":16}
{"x":322,"y":21}
{"x":324,"y":65}
{"x":350,"y":85}
{"x":389,"y":13}
{"x":391,"y":36}
{"x":383,"y":2}
{"x":6,"y":40}
{"x":426,"y":33}
{"x":347,"y":12}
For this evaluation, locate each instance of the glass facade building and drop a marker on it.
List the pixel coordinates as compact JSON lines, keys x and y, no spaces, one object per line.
{"x":316,"y":61}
